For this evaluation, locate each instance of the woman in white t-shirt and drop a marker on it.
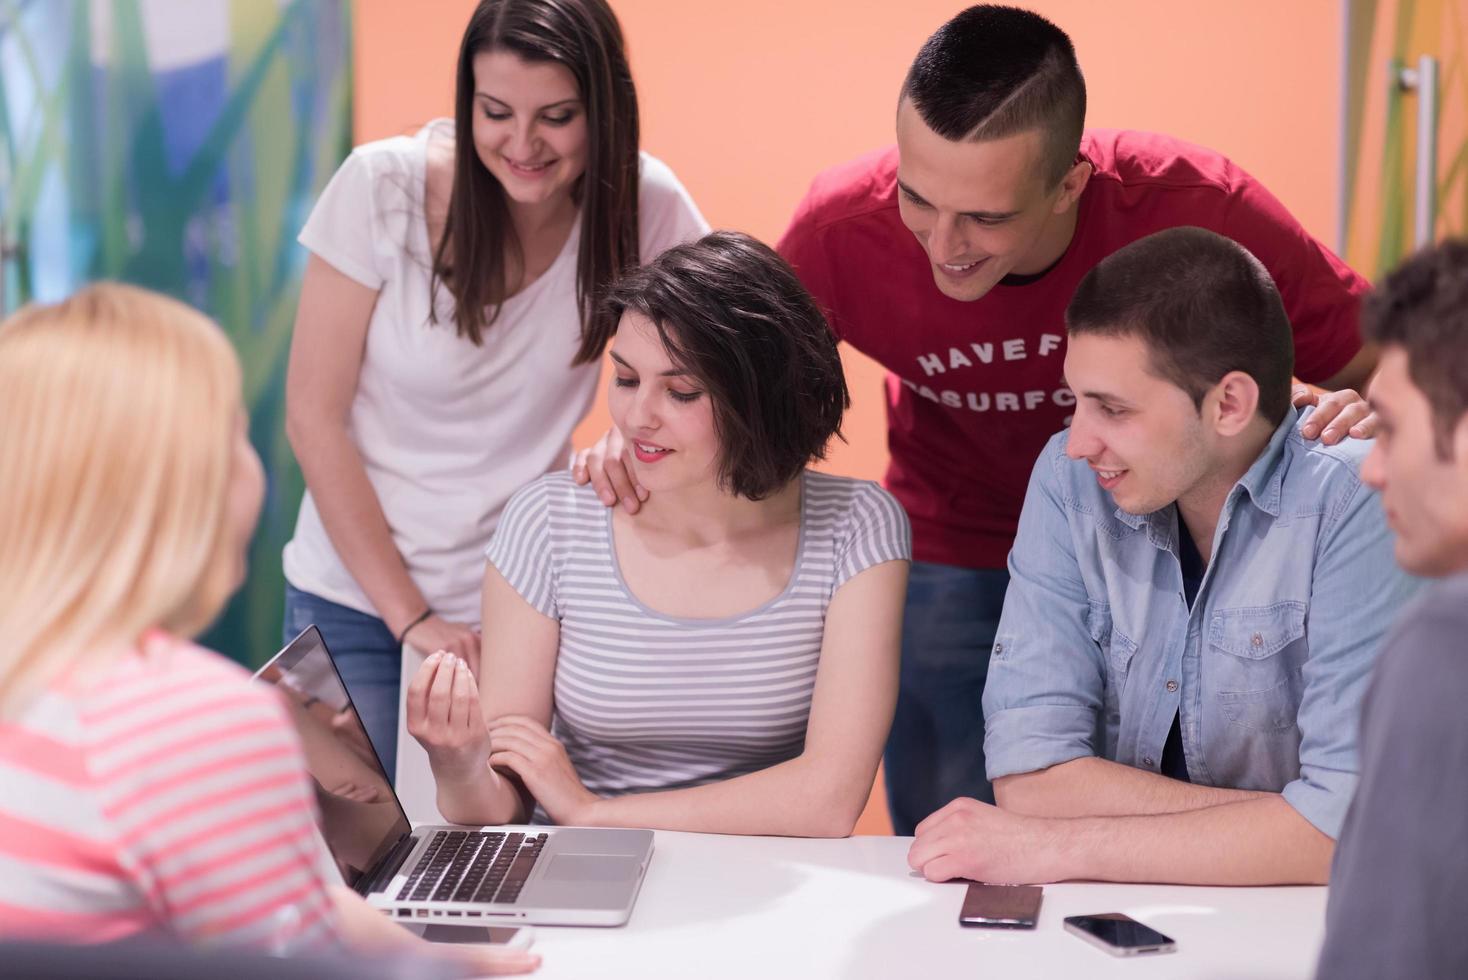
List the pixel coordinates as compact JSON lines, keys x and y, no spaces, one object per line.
{"x":448,"y":340}
{"x":725,"y":661}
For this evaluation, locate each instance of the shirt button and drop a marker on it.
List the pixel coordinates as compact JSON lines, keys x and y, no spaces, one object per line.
{"x":1147,"y":761}
{"x":1257,"y":639}
{"x":998,"y":648}
{"x":1172,"y":685}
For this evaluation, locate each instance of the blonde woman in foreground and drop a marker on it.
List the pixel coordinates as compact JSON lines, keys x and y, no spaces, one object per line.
{"x":148,"y":787}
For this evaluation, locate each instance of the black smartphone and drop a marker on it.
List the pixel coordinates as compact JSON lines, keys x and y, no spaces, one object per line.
{"x":1118,"y":934}
{"x":1001,"y":906}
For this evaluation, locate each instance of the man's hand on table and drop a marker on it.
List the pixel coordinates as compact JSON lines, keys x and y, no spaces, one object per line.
{"x":969,"y":839}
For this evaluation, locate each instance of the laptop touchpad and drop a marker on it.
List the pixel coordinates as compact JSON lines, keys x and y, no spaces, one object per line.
{"x":592,"y":867}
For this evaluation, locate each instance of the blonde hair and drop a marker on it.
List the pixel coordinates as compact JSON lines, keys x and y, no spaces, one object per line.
{"x":117,"y":416}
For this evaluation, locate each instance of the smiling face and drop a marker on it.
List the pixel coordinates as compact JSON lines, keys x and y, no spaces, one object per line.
{"x":1142,"y":435}
{"x":981,"y":209}
{"x":530,"y":127}
{"x":665,"y":415}
{"x":1425,"y":496}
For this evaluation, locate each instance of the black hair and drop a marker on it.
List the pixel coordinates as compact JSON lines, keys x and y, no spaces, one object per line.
{"x":994,"y":71}
{"x":733,"y":315}
{"x":1203,"y":305}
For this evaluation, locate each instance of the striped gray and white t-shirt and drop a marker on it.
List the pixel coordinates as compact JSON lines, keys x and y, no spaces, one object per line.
{"x":646,"y":701}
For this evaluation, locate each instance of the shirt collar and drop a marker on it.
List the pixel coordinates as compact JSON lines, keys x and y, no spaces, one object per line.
{"x":1263,"y":482}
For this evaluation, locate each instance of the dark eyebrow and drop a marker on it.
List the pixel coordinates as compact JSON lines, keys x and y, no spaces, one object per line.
{"x":912,"y":193}
{"x":553,"y":105}
{"x":981,"y":215}
{"x":670,"y":373}
{"x":1106,"y":397}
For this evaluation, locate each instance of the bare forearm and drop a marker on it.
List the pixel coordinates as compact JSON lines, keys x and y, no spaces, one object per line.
{"x":1262,"y":841}
{"x":367,"y":932}
{"x":354,"y":520}
{"x":787,"y":800}
{"x":363,"y":928}
{"x":1102,"y":788}
{"x":482,"y":799}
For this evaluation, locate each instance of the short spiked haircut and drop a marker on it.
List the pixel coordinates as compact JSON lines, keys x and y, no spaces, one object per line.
{"x":994,"y":71}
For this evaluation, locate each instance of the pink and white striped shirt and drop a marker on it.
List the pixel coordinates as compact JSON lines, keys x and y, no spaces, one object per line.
{"x":163,"y":794}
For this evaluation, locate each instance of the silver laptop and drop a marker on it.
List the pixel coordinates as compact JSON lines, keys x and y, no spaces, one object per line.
{"x":446,"y":874}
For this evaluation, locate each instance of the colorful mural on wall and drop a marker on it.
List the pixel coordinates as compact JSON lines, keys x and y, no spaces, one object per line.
{"x":179,"y":144}
{"x":1381,"y":127}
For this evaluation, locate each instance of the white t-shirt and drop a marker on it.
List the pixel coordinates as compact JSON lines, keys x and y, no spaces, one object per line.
{"x":447,"y":430}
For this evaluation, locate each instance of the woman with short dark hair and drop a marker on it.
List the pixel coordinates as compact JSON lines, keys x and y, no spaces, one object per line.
{"x":725,"y":660}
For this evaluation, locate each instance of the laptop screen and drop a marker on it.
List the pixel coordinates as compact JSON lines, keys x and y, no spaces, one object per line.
{"x":360,"y":815}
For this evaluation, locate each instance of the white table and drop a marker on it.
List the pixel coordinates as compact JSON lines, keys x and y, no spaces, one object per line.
{"x":762,"y":907}
{"x":772,"y":907}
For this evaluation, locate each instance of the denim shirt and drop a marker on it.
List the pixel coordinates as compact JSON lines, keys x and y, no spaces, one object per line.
{"x":1097,"y":650}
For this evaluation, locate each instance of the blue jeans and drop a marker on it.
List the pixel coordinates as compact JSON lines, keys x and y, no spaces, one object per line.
{"x":366,"y":655}
{"x":936,"y":750}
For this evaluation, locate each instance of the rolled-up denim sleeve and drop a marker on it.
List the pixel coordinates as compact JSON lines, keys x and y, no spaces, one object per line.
{"x":1355,"y":596}
{"x":1047,"y":681}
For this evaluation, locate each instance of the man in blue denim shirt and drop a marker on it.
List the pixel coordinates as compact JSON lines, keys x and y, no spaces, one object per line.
{"x":1197,"y":596}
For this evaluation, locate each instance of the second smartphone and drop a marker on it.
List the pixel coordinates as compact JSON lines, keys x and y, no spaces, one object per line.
{"x":1119,"y":934}
{"x":1001,"y":906}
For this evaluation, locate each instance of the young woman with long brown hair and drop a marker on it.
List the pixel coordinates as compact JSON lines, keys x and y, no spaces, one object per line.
{"x":448,"y":338}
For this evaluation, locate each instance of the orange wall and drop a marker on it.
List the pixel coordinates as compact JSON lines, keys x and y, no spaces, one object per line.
{"x":747,"y":101}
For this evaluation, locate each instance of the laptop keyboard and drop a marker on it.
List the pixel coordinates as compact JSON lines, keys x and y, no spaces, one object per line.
{"x":473,"y":866}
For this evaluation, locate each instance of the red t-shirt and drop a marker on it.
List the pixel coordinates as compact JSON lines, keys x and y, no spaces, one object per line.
{"x":974,"y":389}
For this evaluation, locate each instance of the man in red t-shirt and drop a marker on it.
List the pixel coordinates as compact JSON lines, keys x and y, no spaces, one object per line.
{"x":950,"y":259}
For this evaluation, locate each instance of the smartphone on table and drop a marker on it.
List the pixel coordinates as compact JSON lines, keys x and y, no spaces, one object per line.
{"x":1001,"y":906}
{"x":1118,"y":934}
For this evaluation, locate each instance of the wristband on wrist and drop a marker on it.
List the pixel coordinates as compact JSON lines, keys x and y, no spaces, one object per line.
{"x":408,"y":629}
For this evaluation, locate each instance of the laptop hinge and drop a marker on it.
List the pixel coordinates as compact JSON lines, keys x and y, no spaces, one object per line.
{"x":387,"y":867}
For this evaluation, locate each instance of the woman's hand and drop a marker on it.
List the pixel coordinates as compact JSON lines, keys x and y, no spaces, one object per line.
{"x":523,"y":746}
{"x":434,"y":635}
{"x":445,"y":717}
{"x":367,"y":930}
{"x":485,"y":961}
{"x":605,"y":467}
